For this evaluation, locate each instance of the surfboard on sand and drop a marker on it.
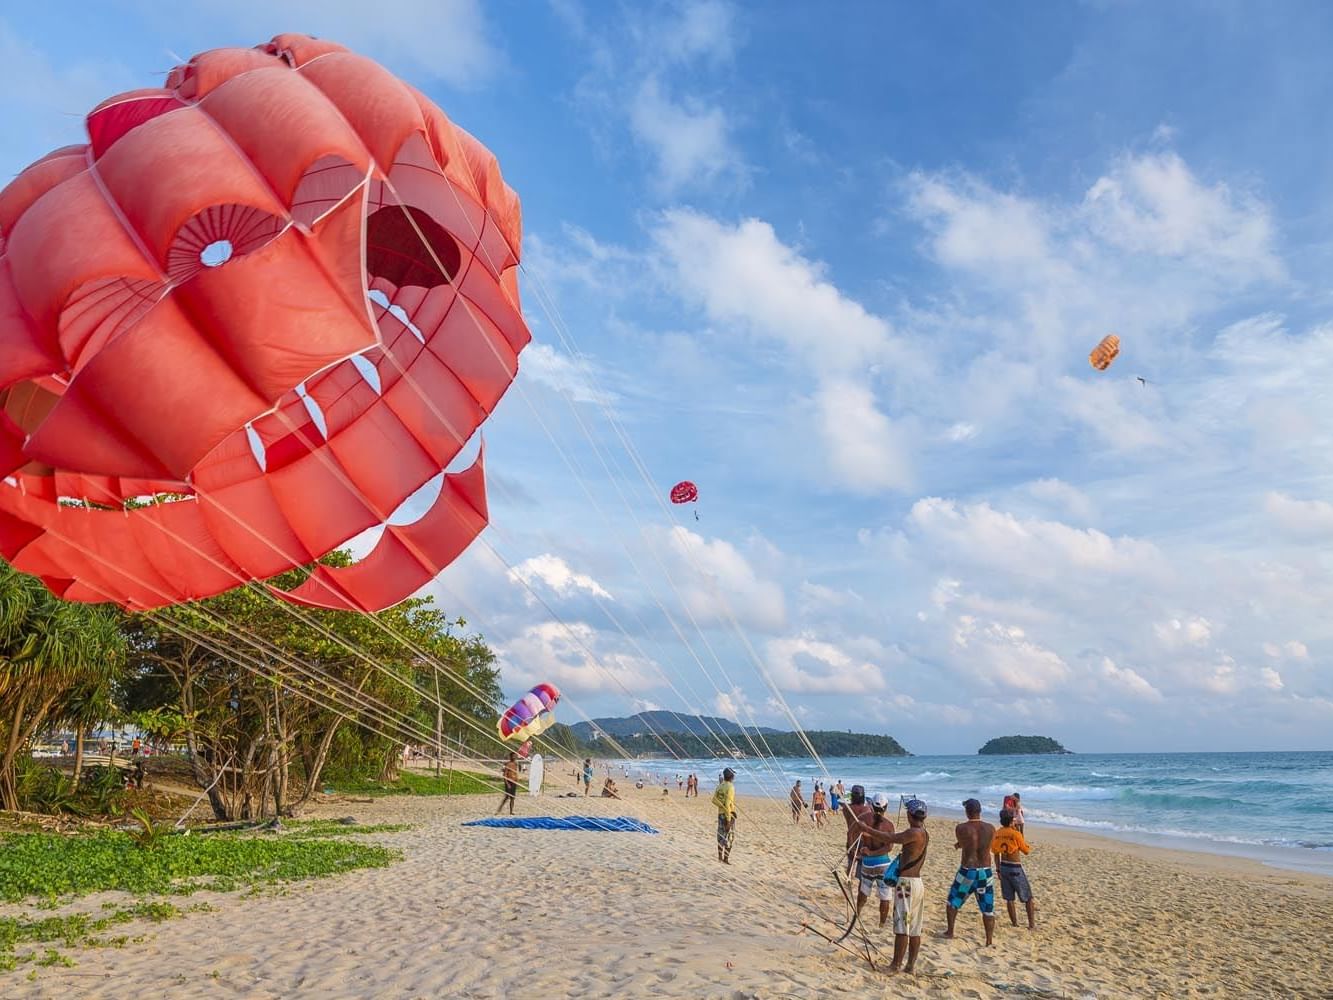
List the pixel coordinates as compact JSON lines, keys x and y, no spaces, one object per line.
{"x":535,"y":771}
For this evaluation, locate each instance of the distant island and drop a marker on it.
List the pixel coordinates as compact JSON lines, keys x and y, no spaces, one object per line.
{"x":662,"y":722}
{"x":1022,"y":744}
{"x":668,"y":734}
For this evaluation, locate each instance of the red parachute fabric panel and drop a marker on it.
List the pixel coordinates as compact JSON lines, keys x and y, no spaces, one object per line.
{"x":184,"y":310}
{"x":165,"y":366}
{"x":112,"y":119}
{"x":407,"y":557}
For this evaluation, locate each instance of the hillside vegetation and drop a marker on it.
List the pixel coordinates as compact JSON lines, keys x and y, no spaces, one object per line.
{"x":1022,"y":744}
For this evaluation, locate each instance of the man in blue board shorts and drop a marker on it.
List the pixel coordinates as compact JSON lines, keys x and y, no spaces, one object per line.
{"x":975,"y":875}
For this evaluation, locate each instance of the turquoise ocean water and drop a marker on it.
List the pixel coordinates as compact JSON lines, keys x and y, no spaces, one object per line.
{"x":1273,"y":807}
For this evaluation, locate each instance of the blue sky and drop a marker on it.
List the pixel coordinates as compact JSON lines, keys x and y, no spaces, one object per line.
{"x":844,"y":273}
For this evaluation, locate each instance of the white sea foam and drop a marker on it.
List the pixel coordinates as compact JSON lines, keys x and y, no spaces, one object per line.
{"x":1053,"y":791}
{"x":1061,"y":819}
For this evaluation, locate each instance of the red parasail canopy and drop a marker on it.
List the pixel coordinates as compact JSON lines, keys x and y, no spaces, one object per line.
{"x":281,"y":289}
{"x":684,"y":492}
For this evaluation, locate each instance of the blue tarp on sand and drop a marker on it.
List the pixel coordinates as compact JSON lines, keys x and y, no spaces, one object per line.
{"x":617,"y":824}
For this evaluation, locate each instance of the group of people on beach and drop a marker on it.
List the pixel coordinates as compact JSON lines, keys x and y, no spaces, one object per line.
{"x":985,"y":853}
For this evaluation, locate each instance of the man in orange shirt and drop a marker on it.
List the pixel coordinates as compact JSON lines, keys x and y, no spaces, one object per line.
{"x":1008,"y":845}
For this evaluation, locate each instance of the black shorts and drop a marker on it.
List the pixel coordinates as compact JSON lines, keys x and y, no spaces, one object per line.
{"x":510,"y":788}
{"x":1014,"y":882}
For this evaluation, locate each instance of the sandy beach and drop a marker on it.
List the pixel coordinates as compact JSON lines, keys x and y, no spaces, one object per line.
{"x":477,"y":912}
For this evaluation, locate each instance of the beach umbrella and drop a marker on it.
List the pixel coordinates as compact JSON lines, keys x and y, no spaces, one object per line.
{"x":262,"y":305}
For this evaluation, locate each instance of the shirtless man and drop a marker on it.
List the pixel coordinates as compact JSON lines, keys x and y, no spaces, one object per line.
{"x":510,"y":776}
{"x":975,"y":874}
{"x":859,"y":809}
{"x":909,"y":895}
{"x":874,"y":855}
{"x":797,"y":802}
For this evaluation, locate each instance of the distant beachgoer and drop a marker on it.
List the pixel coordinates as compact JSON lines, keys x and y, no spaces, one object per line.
{"x":975,"y":875}
{"x":835,"y":797}
{"x":1008,"y":846}
{"x":691,"y":787}
{"x":818,"y":805}
{"x":137,"y":775}
{"x":725,"y":800}
{"x":797,"y":802}
{"x":873,"y":859}
{"x":134,"y":749}
{"x":510,"y":776}
{"x":1018,"y":812}
{"x":639,"y":783}
{"x":587,"y":775}
{"x":680,"y":782}
{"x":609,"y":790}
{"x":857,"y":809}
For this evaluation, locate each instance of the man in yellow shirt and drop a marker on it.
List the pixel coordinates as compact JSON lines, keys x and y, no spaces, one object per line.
{"x":725,"y":800}
{"x":1008,"y":845}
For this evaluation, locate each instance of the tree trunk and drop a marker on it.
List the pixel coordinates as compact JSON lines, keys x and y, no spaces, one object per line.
{"x":316,"y":767}
{"x":206,"y":776}
{"x":9,"y":795}
{"x":78,"y":755}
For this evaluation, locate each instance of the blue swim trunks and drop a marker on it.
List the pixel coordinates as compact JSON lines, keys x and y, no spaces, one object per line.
{"x":974,"y":881}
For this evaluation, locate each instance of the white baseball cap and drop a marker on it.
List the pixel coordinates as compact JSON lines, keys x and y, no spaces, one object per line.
{"x":880,"y":801}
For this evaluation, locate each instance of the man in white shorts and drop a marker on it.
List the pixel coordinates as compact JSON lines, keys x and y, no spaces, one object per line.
{"x":909,"y":895}
{"x":906,"y":892}
{"x":873,"y":854}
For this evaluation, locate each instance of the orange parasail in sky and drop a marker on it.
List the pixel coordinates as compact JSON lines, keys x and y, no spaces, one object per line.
{"x":1105,"y":352}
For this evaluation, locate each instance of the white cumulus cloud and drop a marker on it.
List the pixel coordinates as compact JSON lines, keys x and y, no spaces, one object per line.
{"x":1177,"y":632}
{"x":1300,"y":519}
{"x":577,"y":658}
{"x":805,"y":664}
{"x":1129,"y":681}
{"x":743,"y":275}
{"x":1003,"y":655}
{"x":556,"y":574}
{"x":717,"y":582}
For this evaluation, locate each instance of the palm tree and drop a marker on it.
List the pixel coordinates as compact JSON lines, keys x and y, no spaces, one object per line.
{"x":52,"y":654}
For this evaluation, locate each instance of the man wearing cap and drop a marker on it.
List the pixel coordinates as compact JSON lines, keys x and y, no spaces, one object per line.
{"x":874,"y":855}
{"x":858,"y":808}
{"x":975,"y":875}
{"x":725,"y":800}
{"x":908,"y":892}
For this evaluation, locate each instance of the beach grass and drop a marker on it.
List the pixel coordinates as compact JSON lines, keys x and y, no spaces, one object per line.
{"x":412,"y":783}
{"x":51,"y":868}
{"x":307,"y":828}
{"x":45,"y":865}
